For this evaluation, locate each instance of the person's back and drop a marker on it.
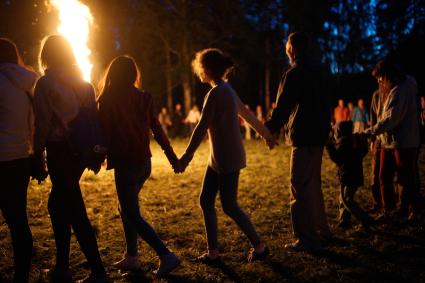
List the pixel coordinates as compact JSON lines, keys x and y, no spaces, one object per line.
{"x":307,"y":113}
{"x":227,"y":152}
{"x":58,"y":97}
{"x":16,"y":118}
{"x":127,"y":128}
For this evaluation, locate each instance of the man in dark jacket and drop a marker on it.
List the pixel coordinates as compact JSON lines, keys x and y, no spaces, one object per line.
{"x":303,"y":109}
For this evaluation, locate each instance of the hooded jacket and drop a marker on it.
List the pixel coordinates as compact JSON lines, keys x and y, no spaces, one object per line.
{"x":57,"y":99}
{"x":347,"y":151}
{"x":398,"y":125}
{"x":16,"y":117}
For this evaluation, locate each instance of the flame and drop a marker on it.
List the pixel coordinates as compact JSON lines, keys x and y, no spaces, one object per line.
{"x":75,"y":20}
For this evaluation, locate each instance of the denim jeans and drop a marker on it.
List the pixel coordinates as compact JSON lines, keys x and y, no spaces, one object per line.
{"x":67,"y":209}
{"x":14,"y":176}
{"x":129,"y":180}
{"x":227,"y":185}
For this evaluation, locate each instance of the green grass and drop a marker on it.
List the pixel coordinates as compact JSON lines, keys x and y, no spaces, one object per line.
{"x":170,"y":203}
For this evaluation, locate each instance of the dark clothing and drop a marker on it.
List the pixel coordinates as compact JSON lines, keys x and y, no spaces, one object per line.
{"x":129,"y":181}
{"x":375,"y":183}
{"x":386,"y":179}
{"x":303,"y":105}
{"x":348,"y":206}
{"x":14,"y":176}
{"x":348,"y":151}
{"x":227,"y":184}
{"x":67,"y":209}
{"x":405,"y":162}
{"x":127,"y":124}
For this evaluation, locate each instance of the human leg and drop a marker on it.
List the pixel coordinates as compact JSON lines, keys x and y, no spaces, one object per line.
{"x":302,"y":203}
{"x":129,"y":181}
{"x":376,"y":193}
{"x":386,"y":179}
{"x":228,"y":196}
{"x":15,"y":177}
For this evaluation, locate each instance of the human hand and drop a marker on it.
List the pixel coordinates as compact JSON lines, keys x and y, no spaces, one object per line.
{"x":184,"y":161}
{"x":177,"y":167}
{"x":38,"y":168}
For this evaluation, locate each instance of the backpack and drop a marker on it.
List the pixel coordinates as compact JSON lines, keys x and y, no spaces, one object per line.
{"x":86,"y":138}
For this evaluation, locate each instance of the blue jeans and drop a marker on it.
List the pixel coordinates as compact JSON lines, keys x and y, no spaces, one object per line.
{"x":129,"y":180}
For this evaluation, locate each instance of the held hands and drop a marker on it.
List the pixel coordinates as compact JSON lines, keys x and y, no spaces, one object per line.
{"x":181,"y":164}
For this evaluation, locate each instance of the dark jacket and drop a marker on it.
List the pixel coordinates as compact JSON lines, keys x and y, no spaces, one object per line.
{"x":347,"y":150}
{"x":303,"y":104}
{"x":127,"y":129}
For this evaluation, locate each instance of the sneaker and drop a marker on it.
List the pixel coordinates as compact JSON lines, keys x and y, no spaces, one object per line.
{"x":207,"y":259}
{"x":167,"y":264}
{"x":128,"y":263}
{"x":59,"y":275}
{"x":297,"y":246}
{"x":95,"y":278}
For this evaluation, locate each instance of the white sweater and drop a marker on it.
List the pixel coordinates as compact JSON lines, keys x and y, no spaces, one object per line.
{"x":16,"y":117}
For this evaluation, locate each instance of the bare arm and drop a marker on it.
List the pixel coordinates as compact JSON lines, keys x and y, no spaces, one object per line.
{"x":252,"y":120}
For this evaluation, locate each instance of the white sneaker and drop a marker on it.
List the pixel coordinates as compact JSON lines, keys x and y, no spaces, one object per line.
{"x":167,"y":264}
{"x":128,"y":263}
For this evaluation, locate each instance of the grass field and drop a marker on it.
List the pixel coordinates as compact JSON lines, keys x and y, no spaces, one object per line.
{"x":170,"y":202}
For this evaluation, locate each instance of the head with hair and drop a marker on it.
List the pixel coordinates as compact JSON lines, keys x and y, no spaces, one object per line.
{"x":9,"y":52}
{"x":387,"y":74}
{"x":56,"y":52}
{"x":212,"y":64}
{"x":341,"y":103}
{"x":121,"y":76}
{"x":298,"y":45}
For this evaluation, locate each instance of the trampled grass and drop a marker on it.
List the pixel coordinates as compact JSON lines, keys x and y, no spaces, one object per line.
{"x":170,"y":203}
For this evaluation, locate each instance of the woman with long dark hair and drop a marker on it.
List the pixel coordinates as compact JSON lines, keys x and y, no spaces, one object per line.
{"x":58,"y":96}
{"x":127,"y":115}
{"x":16,"y":129}
{"x":219,"y":118}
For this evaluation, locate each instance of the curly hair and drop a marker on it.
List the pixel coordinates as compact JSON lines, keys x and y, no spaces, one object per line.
{"x":212,"y":64}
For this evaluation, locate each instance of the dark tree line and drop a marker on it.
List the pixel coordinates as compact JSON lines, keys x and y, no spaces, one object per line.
{"x":163,"y":35}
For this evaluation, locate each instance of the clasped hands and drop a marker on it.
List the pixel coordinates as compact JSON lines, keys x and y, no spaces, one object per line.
{"x":180,"y":165}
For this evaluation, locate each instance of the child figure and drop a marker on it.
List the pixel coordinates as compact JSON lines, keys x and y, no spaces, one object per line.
{"x":347,"y":151}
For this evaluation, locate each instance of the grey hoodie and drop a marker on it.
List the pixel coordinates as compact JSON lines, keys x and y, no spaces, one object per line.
{"x":16,"y":117}
{"x":398,"y":125}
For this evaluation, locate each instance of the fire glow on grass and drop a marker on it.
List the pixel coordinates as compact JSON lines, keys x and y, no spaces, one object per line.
{"x":75,"y":20}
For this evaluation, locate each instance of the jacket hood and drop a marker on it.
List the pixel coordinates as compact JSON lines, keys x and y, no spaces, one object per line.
{"x":19,"y":76}
{"x":68,"y":76}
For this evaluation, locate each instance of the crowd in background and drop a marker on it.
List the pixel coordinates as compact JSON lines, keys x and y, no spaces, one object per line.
{"x":178,"y":125}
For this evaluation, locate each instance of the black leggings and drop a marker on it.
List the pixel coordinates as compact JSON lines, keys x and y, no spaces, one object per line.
{"x":14,"y":176}
{"x":227,"y":184}
{"x":67,"y":209}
